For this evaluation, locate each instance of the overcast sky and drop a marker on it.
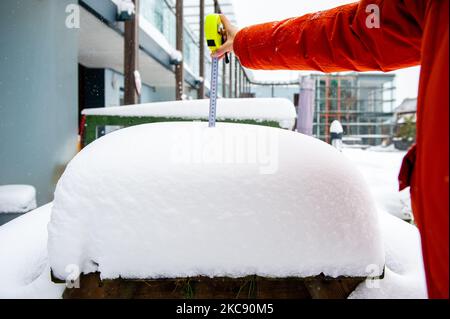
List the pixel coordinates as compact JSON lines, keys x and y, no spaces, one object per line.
{"x":250,"y":12}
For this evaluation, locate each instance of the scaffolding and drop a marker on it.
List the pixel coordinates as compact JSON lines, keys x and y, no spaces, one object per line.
{"x":362,"y":102}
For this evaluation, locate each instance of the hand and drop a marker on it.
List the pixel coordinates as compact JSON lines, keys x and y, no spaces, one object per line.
{"x":230,"y":33}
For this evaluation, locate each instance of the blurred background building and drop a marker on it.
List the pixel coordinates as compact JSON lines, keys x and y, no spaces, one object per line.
{"x":405,"y":116}
{"x":362,"y":102}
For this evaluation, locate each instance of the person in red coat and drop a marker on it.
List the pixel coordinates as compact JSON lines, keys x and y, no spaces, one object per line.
{"x":377,"y":35}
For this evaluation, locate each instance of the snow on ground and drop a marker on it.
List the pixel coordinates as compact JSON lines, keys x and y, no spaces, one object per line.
{"x":404,"y":276}
{"x":181,"y":199}
{"x":17,"y":198}
{"x":24,"y":269}
{"x":380,"y":167}
{"x":258,"y":109}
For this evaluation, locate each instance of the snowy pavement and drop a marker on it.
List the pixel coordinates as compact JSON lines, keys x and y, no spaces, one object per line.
{"x":404,"y":273}
{"x":404,"y":276}
{"x":380,"y":167}
{"x":24,"y":270}
{"x":25,"y":274}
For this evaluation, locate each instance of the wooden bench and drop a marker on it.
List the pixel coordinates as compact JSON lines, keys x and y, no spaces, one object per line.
{"x":250,"y":287}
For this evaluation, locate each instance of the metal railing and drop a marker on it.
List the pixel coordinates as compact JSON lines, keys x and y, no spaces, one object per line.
{"x":161,"y":14}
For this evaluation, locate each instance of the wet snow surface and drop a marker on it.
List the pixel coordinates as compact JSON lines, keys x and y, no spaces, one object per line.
{"x":26,"y":272}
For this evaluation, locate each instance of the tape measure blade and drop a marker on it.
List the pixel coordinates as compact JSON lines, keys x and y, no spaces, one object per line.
{"x":213,"y":92}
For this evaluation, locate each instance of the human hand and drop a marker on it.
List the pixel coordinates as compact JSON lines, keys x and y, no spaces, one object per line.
{"x":229,"y":35}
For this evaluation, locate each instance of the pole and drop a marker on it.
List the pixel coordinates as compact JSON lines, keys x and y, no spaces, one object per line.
{"x":230,"y":84}
{"x":224,"y":79}
{"x":339,"y":98}
{"x":179,"y":68}
{"x":241,"y":80}
{"x":131,"y":57}
{"x":201,"y":90}
{"x":327,"y":107}
{"x":236,"y":77}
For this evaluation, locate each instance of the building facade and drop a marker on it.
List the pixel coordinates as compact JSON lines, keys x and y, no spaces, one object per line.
{"x":58,"y":57}
{"x":362,"y":102}
{"x":405,"y":123}
{"x":39,"y":93}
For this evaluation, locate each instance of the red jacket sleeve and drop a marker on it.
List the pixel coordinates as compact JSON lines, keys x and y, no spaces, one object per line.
{"x":338,"y":39}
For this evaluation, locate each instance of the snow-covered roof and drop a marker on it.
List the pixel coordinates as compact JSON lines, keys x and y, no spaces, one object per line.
{"x":180,"y":199}
{"x":17,"y":198}
{"x":404,"y":117}
{"x":409,"y":105}
{"x":280,"y":110}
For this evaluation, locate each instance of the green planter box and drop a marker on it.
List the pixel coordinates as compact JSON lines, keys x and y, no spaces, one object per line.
{"x":93,"y":122}
{"x":275,"y":112}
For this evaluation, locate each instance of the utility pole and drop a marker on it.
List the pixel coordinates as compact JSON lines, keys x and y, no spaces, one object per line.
{"x":131,"y":57}
{"x":179,"y":68}
{"x":201,"y":89}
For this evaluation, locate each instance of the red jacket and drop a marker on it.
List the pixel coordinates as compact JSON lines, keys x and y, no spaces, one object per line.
{"x":411,"y":32}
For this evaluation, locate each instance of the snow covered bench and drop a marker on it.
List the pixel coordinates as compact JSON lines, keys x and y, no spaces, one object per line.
{"x":276,"y":112}
{"x":179,"y":209}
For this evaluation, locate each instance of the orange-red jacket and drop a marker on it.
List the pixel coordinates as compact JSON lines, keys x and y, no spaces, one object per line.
{"x":411,"y":32}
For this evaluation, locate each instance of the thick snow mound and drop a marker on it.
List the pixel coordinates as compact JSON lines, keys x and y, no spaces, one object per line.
{"x":181,"y":199}
{"x":24,"y":269}
{"x":17,"y":198}
{"x":262,"y":109}
{"x":405,"y":275}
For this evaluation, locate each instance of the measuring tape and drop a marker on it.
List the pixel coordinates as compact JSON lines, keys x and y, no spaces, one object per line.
{"x":214,"y":39}
{"x":213,"y":92}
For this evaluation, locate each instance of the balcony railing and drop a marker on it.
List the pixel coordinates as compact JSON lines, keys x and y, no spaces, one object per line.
{"x":161,"y":14}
